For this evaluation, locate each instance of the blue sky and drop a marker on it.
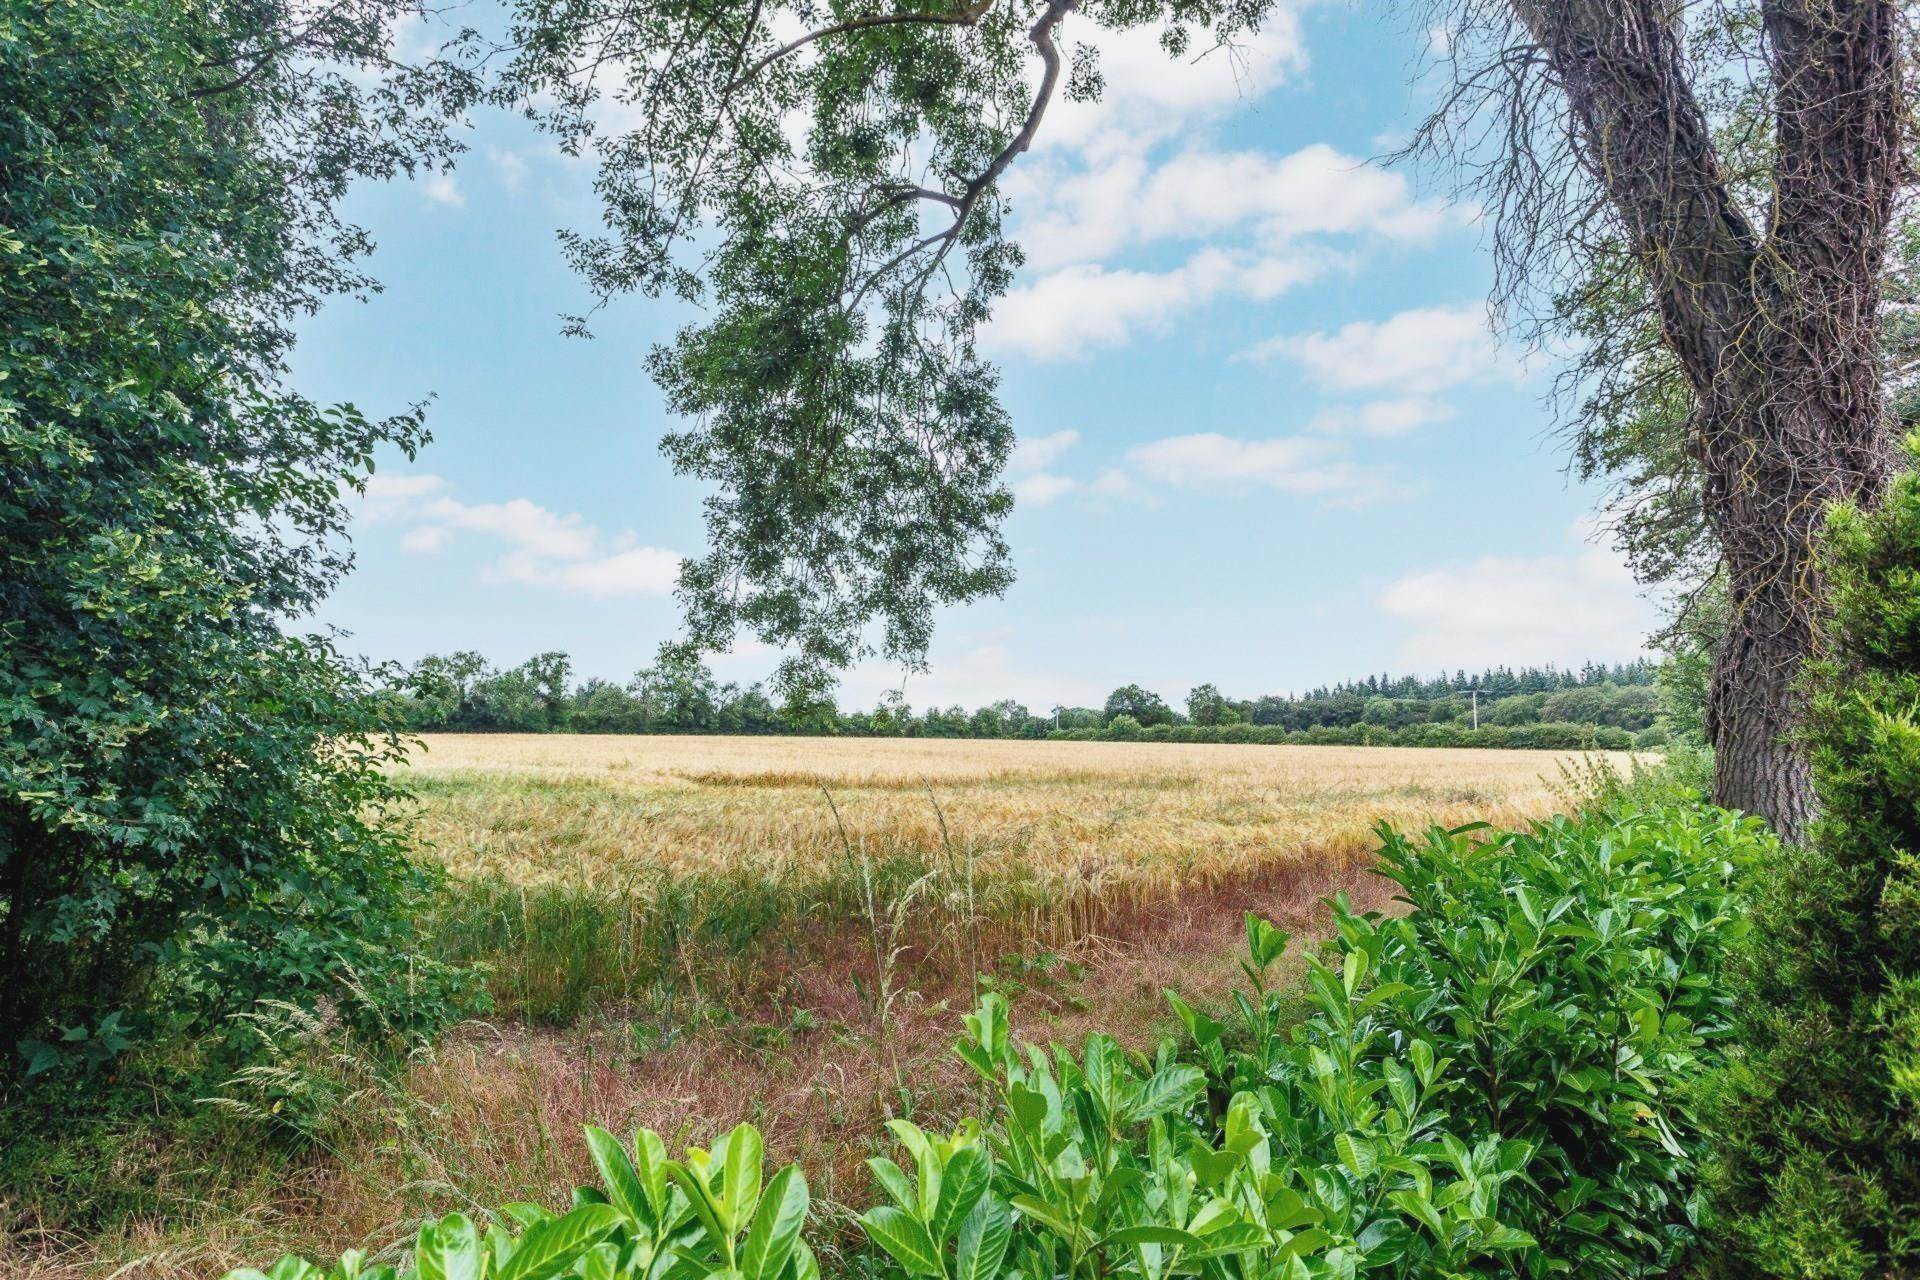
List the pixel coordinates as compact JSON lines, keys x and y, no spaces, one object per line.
{"x":1266,"y":438}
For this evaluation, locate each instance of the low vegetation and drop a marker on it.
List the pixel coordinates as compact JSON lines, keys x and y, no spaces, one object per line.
{"x":1500,"y":1077}
{"x":691,"y":931}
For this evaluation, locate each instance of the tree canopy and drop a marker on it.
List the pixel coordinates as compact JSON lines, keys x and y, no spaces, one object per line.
{"x":193,"y":812}
{"x":828,"y":183}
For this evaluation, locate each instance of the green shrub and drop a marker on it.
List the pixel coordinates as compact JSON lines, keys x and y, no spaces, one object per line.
{"x":195,"y":811}
{"x":1821,"y":1163}
{"x":1497,"y":1082}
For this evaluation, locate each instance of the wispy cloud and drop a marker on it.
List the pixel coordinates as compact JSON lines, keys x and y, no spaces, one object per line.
{"x":539,"y":546}
{"x":1072,"y":313}
{"x":1413,"y":353}
{"x":1303,"y":465}
{"x":442,"y":188}
{"x":1201,"y":194}
{"x":1553,"y":608}
{"x":1381,"y":418}
{"x":510,"y":167}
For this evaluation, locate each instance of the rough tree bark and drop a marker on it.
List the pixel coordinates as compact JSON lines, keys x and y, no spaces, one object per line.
{"x":1774,"y":328}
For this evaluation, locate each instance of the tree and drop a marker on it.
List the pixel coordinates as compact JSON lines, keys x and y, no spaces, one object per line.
{"x":1207,"y":705}
{"x":601,"y":707}
{"x":194,"y":808}
{"x":834,"y":196}
{"x":1142,"y":705}
{"x":444,"y":690}
{"x":1750,"y":276}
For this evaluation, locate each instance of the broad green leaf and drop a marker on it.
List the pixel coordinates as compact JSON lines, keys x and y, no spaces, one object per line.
{"x":741,"y":1188}
{"x":902,"y":1235}
{"x":1165,"y":1091}
{"x":984,"y":1237}
{"x":962,"y":1184}
{"x":893,"y":1182}
{"x":449,"y":1250}
{"x":1171,"y":1237}
{"x":553,"y":1247}
{"x":783,"y":1212}
{"x":1357,"y":1155}
{"x":1421,"y":1210}
{"x":1265,"y":941}
{"x":700,"y":1198}
{"x":1044,"y":1214}
{"x":619,"y":1177}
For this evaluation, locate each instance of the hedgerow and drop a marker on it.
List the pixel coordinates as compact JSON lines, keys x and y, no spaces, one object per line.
{"x":1498,"y":1079}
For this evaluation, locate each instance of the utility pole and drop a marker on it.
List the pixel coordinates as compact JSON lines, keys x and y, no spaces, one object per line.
{"x":1474,"y":694}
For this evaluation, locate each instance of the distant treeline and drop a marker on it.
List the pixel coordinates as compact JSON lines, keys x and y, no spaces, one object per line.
{"x":1611,"y":707}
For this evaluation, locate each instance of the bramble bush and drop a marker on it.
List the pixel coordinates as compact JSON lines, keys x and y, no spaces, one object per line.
{"x":1499,"y":1080}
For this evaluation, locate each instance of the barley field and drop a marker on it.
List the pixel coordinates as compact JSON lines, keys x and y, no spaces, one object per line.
{"x":596,"y":869}
{"x":1135,"y":818}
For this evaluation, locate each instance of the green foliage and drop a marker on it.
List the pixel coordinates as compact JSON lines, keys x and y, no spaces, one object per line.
{"x":1143,"y":706}
{"x":1500,"y":1081}
{"x":1596,"y":707}
{"x":1822,"y":1120}
{"x":193,"y":809}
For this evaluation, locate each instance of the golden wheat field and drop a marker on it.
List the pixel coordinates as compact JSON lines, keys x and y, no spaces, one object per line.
{"x":1127,"y":820}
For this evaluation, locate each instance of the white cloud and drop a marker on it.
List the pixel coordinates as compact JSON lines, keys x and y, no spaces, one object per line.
{"x":510,"y":166}
{"x":541,"y":547}
{"x":527,"y":525}
{"x":1150,"y":95}
{"x":1037,"y":453}
{"x":1416,"y":352}
{"x":1115,"y":483}
{"x":1199,"y":194}
{"x":441,"y":188}
{"x":1073,"y":311}
{"x":1381,"y":418}
{"x":638,"y":571}
{"x":1042,"y":487}
{"x":1301,"y":465}
{"x":1557,"y":608}
{"x":426,"y":540}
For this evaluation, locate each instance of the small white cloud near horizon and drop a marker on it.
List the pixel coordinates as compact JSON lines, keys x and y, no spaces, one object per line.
{"x":1042,"y":487}
{"x":1413,"y":353}
{"x":1567,"y":608}
{"x":1151,"y":95}
{"x":543,"y":548}
{"x":1200,"y":194}
{"x":970,"y":677}
{"x":1033,"y":484}
{"x":1037,"y":453}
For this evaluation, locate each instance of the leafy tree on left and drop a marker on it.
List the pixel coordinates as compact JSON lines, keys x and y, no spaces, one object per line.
{"x":193,"y":813}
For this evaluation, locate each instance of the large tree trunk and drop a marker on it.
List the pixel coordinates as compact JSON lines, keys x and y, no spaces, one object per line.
{"x":1776,"y":330}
